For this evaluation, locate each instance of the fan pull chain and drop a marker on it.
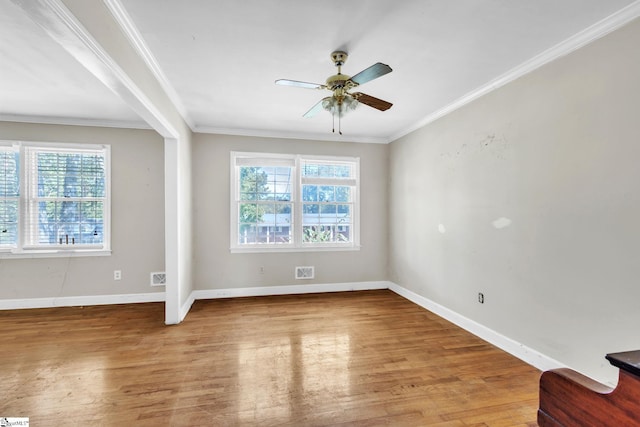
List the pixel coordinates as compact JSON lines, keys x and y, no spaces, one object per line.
{"x":333,"y":120}
{"x":339,"y":119}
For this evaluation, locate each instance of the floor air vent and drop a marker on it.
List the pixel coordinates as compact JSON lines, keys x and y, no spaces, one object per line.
{"x":158,"y":278}
{"x":304,"y":272}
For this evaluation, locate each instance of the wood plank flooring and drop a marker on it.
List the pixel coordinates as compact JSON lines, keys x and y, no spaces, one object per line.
{"x":346,"y":359}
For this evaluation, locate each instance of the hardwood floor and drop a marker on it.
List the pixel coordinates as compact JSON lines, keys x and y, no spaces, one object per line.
{"x":348,"y":359}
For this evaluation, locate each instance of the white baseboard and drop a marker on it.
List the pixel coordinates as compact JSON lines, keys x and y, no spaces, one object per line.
{"x":521,"y":351}
{"x":184,"y":310}
{"x":16,"y":304}
{"x":287,"y":290}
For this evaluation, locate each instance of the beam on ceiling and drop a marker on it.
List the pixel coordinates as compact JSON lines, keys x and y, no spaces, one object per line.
{"x":62,"y":26}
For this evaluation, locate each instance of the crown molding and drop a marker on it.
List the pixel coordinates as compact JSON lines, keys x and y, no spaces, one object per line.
{"x":261,"y":133}
{"x":581,"y":39}
{"x":124,"y":124}
{"x":132,"y":33}
{"x":74,"y":121}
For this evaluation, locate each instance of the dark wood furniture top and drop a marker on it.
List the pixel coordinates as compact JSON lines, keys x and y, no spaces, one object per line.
{"x":628,"y":360}
{"x":568,"y":398}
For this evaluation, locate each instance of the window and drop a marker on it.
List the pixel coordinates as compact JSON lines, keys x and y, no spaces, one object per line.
{"x":54,"y":198}
{"x":293,"y":202}
{"x":9,"y":196}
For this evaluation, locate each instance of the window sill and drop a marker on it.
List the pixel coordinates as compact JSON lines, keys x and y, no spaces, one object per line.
{"x":54,"y":253}
{"x":276,"y":249}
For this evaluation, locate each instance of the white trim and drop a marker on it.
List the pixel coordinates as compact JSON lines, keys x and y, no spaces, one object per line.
{"x":519,"y":350}
{"x":583,"y":38}
{"x":75,"y":301}
{"x":287,"y":247}
{"x":130,"y":30}
{"x":282,"y":134}
{"x":74,"y":121}
{"x":172,"y":212}
{"x":288,"y":290}
{"x":53,"y":253}
{"x":186,"y":307}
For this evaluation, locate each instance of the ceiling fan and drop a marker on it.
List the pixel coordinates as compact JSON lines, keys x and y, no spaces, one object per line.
{"x":342,"y":101}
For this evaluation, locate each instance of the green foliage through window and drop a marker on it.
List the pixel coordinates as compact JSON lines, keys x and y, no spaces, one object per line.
{"x":323,"y":212}
{"x":71,"y":188}
{"x":53,"y":195}
{"x":265,"y":210}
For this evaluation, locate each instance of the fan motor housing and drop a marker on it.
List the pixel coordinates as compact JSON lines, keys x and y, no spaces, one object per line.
{"x":337,"y":81}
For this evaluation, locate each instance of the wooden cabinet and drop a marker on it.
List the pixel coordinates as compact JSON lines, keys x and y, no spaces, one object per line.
{"x":568,"y":398}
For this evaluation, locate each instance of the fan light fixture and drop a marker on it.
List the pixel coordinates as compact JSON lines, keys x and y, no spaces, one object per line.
{"x":342,"y":101}
{"x":338,"y":106}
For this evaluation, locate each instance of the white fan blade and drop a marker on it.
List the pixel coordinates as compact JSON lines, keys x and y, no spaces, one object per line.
{"x":373,"y":72}
{"x":314,"y":110}
{"x":295,"y":83}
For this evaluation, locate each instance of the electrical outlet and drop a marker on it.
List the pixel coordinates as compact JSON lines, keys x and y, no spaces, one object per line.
{"x":117,"y":274}
{"x":480,"y":297}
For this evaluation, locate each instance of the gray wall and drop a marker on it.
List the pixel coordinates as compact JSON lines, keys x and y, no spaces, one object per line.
{"x":137,"y":219}
{"x":217,"y":268}
{"x":531,"y":195}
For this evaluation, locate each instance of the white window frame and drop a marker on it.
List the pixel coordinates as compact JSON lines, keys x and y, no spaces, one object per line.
{"x":27,"y":188}
{"x":239,"y":158}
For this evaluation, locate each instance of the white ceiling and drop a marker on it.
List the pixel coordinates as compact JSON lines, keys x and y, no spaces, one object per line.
{"x":221,"y":58}
{"x":41,"y":82}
